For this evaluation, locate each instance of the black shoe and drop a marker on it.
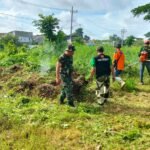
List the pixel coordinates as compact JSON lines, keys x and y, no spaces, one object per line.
{"x":71,"y":104}
{"x":61,"y":102}
{"x":106,"y":100}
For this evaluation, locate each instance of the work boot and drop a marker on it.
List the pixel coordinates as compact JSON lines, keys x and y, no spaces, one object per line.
{"x":118,"y":79}
{"x":101,"y":101}
{"x":141,"y":83}
{"x":122,"y":84}
{"x":61,"y":101}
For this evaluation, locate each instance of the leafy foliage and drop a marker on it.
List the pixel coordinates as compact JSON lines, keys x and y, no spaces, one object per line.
{"x":78,"y":32}
{"x":86,"y":38}
{"x":48,"y":26}
{"x":144,"y":9}
{"x":147,"y":35}
{"x":115,"y":38}
{"x":130,"y":40}
{"x":61,"y":36}
{"x":78,"y":36}
{"x":10,"y":38}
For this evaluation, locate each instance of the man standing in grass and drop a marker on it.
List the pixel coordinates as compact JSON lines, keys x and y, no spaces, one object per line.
{"x":118,"y":62}
{"x":64,"y":70}
{"x":144,"y":55}
{"x":102,"y":67}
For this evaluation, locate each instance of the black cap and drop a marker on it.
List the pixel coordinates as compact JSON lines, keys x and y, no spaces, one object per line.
{"x":118,"y":45}
{"x":71,"y":48}
{"x":100,"y":49}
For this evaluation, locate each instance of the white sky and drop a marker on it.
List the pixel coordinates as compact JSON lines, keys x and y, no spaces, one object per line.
{"x":98,"y":18}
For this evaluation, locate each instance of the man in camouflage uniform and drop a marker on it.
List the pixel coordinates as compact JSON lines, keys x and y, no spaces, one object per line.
{"x":145,"y":63}
{"x":102,"y":67}
{"x":64,"y":70}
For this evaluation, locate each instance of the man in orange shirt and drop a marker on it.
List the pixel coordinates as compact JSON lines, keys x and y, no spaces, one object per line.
{"x":119,"y":61}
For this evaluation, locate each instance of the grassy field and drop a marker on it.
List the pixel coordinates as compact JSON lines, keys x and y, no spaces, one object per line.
{"x":28,"y":121}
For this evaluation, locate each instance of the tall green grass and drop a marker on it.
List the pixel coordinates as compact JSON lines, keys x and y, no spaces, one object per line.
{"x":46,"y":55}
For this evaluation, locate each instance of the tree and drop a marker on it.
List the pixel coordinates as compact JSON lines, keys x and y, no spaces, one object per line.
{"x":11,"y":48}
{"x":10,"y":38}
{"x":147,"y":35}
{"x":78,"y":36}
{"x":79,"y":40}
{"x":48,"y":26}
{"x":78,"y":33}
{"x":86,"y":38}
{"x":61,"y":36}
{"x":144,"y":9}
{"x":115,"y":39}
{"x":130,"y":40}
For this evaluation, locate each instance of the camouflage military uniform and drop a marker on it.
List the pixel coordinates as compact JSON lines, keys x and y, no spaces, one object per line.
{"x":102,"y":90}
{"x":67,"y":83}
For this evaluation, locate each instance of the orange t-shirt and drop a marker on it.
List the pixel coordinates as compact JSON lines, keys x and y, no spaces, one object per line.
{"x":119,"y":55}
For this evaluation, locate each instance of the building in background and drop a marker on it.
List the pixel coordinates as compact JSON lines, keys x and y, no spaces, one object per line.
{"x":38,"y":39}
{"x":2,"y":34}
{"x":23,"y":37}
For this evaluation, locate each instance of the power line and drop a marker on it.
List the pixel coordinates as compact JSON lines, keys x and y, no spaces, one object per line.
{"x":10,"y":27}
{"x":22,"y":18}
{"x":58,"y":9}
{"x":53,"y":8}
{"x":42,"y":6}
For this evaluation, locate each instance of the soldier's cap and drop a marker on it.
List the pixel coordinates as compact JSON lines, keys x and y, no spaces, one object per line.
{"x":71,"y":48}
{"x":118,"y":45}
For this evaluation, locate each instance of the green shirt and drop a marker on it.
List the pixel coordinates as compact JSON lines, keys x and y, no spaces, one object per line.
{"x":93,"y":64}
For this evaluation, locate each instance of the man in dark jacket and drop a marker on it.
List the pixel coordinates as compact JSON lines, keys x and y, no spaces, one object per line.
{"x":102,"y":68}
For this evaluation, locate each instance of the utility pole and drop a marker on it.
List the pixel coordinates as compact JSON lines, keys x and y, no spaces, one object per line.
{"x":123,"y":31}
{"x":71,"y":27}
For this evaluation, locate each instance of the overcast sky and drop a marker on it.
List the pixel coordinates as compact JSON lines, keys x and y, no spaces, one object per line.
{"x":98,"y":18}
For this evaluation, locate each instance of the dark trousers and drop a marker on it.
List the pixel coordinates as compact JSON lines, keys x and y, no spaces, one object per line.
{"x":142,"y":67}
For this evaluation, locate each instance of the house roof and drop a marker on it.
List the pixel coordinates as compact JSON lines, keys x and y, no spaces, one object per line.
{"x":22,"y":33}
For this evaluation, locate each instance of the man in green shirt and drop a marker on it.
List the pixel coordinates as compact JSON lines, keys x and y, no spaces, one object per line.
{"x":102,"y":68}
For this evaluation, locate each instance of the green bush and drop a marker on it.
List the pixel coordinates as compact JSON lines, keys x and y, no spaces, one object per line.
{"x":19,"y":58}
{"x":131,"y":135}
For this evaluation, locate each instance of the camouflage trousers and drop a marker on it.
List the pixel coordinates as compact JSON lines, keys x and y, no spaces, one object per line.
{"x":102,"y":90}
{"x":67,"y":89}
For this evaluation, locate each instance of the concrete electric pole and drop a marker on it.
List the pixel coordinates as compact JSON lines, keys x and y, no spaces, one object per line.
{"x":123,"y":31}
{"x":71,"y":26}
